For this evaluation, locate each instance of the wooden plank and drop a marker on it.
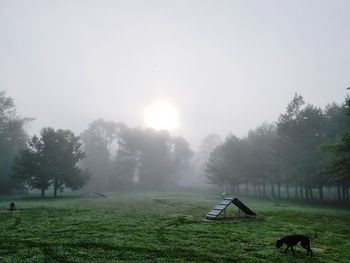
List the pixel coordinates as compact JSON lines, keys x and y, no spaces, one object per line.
{"x":225,"y":202}
{"x":243,"y":207}
{"x":215,"y":212}
{"x":211,"y":217}
{"x":220,"y":207}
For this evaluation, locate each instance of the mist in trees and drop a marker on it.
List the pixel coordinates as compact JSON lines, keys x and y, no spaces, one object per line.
{"x":122,"y":158}
{"x":202,"y":155}
{"x":299,"y":155}
{"x":303,"y":155}
{"x":12,"y":138}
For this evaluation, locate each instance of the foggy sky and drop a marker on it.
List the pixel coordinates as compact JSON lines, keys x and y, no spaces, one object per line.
{"x":227,"y":65}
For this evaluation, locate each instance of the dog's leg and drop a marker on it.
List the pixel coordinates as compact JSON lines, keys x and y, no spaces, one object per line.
{"x":285,"y":251}
{"x":292,"y":250}
{"x":310,"y":251}
{"x":306,"y":245}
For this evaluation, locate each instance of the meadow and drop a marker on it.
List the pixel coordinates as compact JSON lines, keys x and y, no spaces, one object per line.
{"x":164,"y":227}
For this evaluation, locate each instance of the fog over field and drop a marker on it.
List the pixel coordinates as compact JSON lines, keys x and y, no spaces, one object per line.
{"x":222,"y":66}
{"x":174,"y":131}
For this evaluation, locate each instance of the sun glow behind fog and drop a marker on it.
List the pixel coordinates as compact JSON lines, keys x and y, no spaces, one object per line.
{"x":161,"y":115}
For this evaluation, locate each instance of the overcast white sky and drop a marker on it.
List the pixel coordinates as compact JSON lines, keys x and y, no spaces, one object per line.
{"x":226,"y":65}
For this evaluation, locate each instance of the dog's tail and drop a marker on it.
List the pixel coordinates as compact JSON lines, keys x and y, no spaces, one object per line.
{"x":315,"y":235}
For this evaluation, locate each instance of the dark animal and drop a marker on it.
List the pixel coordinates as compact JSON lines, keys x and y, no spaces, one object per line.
{"x":292,"y":240}
{"x":12,"y":207}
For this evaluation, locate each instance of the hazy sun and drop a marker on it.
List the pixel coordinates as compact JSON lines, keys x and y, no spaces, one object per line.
{"x":161,"y":115}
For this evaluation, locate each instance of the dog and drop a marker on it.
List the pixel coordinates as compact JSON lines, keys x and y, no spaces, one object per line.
{"x":292,"y":240}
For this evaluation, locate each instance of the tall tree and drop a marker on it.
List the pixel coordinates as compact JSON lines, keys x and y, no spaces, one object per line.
{"x":100,"y":142}
{"x":202,"y":156}
{"x":156,"y":163}
{"x":181,"y":155}
{"x":30,"y":166}
{"x":228,"y":165}
{"x":263,"y":164}
{"x":12,"y":138}
{"x":339,"y":167}
{"x":287,"y":147}
{"x":51,"y":159}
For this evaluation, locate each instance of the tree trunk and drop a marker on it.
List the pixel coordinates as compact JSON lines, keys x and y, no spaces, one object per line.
{"x":311,"y":194}
{"x":254,"y":189}
{"x":320,"y":191}
{"x":259,"y":189}
{"x":287,"y":185}
{"x":296,"y":190}
{"x":301,"y":192}
{"x":338,"y":190}
{"x":264,"y":188}
{"x":55,"y":186}
{"x":42,"y":193}
{"x":279,"y":190}
{"x":343,"y":192}
{"x":307,"y":194}
{"x":273,"y":190}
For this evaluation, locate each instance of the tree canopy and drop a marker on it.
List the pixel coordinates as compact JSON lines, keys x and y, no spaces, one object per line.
{"x":289,"y":152}
{"x":51,"y":159}
{"x":12,"y":138}
{"x":133,"y":157}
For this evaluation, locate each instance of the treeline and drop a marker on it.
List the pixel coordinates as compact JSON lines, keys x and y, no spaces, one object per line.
{"x":119,"y":157}
{"x":305,"y":152}
{"x":107,"y":156}
{"x":12,"y":138}
{"x":48,"y":160}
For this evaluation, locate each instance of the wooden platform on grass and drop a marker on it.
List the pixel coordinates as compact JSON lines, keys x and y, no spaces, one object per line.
{"x":221,"y":207}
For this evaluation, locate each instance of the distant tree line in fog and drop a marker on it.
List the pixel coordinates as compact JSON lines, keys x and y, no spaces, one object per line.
{"x":304,"y":155}
{"x":119,"y":157}
{"x":108,"y":156}
{"x":306,"y":151}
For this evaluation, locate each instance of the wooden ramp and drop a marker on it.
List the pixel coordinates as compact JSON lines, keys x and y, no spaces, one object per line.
{"x":218,"y":209}
{"x":213,"y":214}
{"x":243,"y":207}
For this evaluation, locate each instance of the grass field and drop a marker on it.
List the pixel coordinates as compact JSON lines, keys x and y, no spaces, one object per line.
{"x":163,"y":227}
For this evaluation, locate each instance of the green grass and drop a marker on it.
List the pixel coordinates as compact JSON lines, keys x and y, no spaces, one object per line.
{"x":163,"y":227}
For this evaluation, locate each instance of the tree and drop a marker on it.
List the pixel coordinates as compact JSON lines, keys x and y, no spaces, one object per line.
{"x":155,"y":159}
{"x":127,"y":163}
{"x":51,"y":159}
{"x":122,"y":158}
{"x":216,"y":167}
{"x":12,"y":138}
{"x":100,"y":142}
{"x":181,"y":154}
{"x":310,"y":158}
{"x":301,"y":132}
{"x":228,"y":164}
{"x":339,"y":166}
{"x":202,"y":156}
{"x":287,"y":150}
{"x":263,"y":164}
{"x":29,"y":167}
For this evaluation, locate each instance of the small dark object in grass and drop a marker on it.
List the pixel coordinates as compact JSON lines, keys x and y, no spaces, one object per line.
{"x":12,"y":207}
{"x":292,"y":240}
{"x":101,"y":195}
